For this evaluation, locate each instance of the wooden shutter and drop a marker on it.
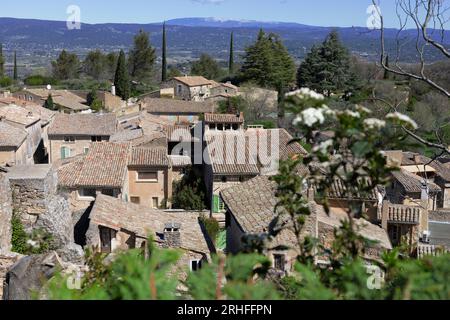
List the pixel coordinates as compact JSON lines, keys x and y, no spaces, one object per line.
{"x":216,"y":204}
{"x":63,"y":153}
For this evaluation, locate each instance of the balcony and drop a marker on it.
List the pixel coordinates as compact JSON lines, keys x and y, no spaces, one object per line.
{"x":401,"y":214}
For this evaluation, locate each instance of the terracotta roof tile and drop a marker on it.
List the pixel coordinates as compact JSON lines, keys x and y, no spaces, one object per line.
{"x":194,"y":81}
{"x":173,"y":106}
{"x":84,"y":124}
{"x":143,"y":157}
{"x":11,"y":136}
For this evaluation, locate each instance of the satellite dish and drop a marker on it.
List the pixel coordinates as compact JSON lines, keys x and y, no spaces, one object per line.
{"x":49,"y":87}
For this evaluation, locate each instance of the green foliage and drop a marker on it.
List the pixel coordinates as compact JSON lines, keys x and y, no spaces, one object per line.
{"x":164,"y":55}
{"x":93,"y":101}
{"x":2,"y":62}
{"x":189,"y":193}
{"x":67,"y":66}
{"x":39,"y":80}
{"x":268,"y":63}
{"x":37,"y":242}
{"x":141,"y":58}
{"x":327,"y":68}
{"x":173,"y":72}
{"x":221,"y":240}
{"x":231,"y":58}
{"x":238,"y":277}
{"x":212,"y":227}
{"x":206,"y":67}
{"x":267,"y":124}
{"x":100,"y":66}
{"x":5,"y":82}
{"x":19,"y":236}
{"x":121,"y":79}
{"x":129,"y":277}
{"x":15,"y":72}
{"x":49,"y":104}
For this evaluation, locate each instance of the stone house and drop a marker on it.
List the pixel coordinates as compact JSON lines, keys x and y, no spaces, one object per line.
{"x":71,"y":134}
{"x":251,"y":208}
{"x":223,"y":91}
{"x":223,"y":122}
{"x":28,"y":121}
{"x":177,"y":111}
{"x":116,"y":225}
{"x":5,"y":212}
{"x":227,"y":162}
{"x":191,"y":88}
{"x":66,"y":101}
{"x":150,"y":177}
{"x":429,"y":171}
{"x":103,"y":170}
{"x":13,"y":146}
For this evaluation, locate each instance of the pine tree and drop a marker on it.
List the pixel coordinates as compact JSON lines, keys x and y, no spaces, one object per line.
{"x":49,"y":104}
{"x":327,"y":68}
{"x":267,"y":62}
{"x":15,"y":75}
{"x":67,"y":66}
{"x":121,"y":80}
{"x":142,"y":58}
{"x":2,"y":62}
{"x":164,"y":55}
{"x":231,"y":60}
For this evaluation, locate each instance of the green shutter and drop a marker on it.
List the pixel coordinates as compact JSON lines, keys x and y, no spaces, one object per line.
{"x":63,"y":153}
{"x":216,"y":204}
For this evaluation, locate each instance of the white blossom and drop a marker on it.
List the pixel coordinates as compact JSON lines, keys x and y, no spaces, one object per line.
{"x":363,"y":109}
{"x":403,"y":118}
{"x":310,"y":117}
{"x":305,"y":93}
{"x":353,"y":114}
{"x":373,"y":123}
{"x":324,"y":146}
{"x":32,"y":243}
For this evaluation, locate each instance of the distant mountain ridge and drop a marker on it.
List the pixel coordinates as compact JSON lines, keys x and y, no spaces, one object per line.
{"x":187,"y":38}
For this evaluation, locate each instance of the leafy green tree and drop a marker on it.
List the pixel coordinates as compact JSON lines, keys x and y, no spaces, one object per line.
{"x":39,"y":80}
{"x":2,"y":62}
{"x":173,"y":72}
{"x":93,"y":101}
{"x":97,"y":65}
{"x":207,"y":67}
{"x":164,"y":55}
{"x":141,"y":58}
{"x":5,"y":82}
{"x":121,"y":79}
{"x":268,"y":63}
{"x":49,"y":104}
{"x":189,"y":193}
{"x":67,"y":66}
{"x":231,"y":59}
{"x":15,"y":73}
{"x":327,"y":68}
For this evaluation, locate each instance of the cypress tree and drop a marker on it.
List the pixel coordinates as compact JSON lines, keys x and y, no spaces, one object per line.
{"x":121,"y":80}
{"x":2,"y":62}
{"x":164,"y":55}
{"x":15,"y":76}
{"x":231,"y":60}
{"x":49,"y":104}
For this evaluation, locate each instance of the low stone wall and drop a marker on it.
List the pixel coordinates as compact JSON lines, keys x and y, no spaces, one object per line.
{"x":439,"y":216}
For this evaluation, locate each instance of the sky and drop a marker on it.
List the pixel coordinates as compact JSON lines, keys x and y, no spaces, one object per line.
{"x":312,"y":12}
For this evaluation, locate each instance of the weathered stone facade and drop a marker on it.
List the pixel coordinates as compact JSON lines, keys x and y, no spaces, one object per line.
{"x":35,"y":200}
{"x":7,"y":260}
{"x":5,"y":214}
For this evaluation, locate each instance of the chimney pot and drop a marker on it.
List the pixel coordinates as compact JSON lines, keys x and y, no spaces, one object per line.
{"x":172,"y":235}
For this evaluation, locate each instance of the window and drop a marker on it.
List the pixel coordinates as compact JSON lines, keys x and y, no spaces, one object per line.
{"x":195,"y":265}
{"x":179,"y":89}
{"x":65,"y":153}
{"x":87,"y":193}
{"x":135,"y":200}
{"x":96,"y":139}
{"x":151,"y":176}
{"x":395,"y":233}
{"x":228,"y":127}
{"x":106,"y":236}
{"x":108,"y":192}
{"x":224,"y":179}
{"x":69,"y":139}
{"x":220,"y":127}
{"x":218,"y":204}
{"x":86,"y":150}
{"x":212,"y":126}
{"x":155,"y":203}
{"x":235,"y":127}
{"x":279,"y":262}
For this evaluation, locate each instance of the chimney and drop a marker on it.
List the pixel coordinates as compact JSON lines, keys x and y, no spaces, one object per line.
{"x":113,"y":90}
{"x":172,"y":235}
{"x":417,"y":159}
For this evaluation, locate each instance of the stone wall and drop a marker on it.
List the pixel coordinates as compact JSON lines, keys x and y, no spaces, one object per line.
{"x":7,"y":260}
{"x":5,"y":214}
